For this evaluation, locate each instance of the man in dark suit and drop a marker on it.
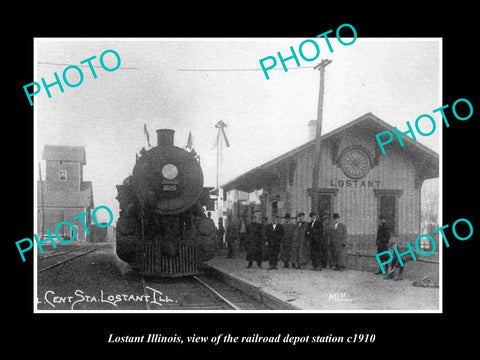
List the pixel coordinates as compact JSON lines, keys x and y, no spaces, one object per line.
{"x":315,"y":237}
{"x":231,"y":237}
{"x":300,"y":252}
{"x":340,"y":241}
{"x":254,"y":242}
{"x":328,"y":230}
{"x":274,"y":235}
{"x":286,"y":244}
{"x":383,"y":237}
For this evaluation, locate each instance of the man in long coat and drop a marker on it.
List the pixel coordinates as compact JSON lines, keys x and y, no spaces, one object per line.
{"x":340,"y":241}
{"x":242,"y":235}
{"x":300,"y":252}
{"x":254,"y":242}
{"x":231,"y":237}
{"x":286,"y":246}
{"x":264,"y":224}
{"x":317,"y":244}
{"x":383,"y":237}
{"x":328,"y":236}
{"x":274,"y":235}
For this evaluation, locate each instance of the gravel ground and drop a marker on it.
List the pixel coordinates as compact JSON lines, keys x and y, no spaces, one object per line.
{"x":332,"y":290}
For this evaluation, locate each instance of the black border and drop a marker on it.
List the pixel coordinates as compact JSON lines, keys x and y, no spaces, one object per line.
{"x":88,"y":333}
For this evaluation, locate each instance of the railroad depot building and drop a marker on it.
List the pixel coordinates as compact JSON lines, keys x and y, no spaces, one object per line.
{"x":64,"y":195}
{"x":355,"y":180}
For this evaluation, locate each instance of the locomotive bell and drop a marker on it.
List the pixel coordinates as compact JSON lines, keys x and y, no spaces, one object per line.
{"x":165,"y":137}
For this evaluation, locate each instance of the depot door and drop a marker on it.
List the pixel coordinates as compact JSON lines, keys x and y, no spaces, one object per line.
{"x":325,"y":205}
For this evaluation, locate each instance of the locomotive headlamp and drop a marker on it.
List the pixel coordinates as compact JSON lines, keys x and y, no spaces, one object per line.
{"x":170,"y":171}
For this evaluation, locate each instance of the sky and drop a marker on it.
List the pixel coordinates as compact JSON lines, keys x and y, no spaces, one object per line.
{"x":395,"y":79}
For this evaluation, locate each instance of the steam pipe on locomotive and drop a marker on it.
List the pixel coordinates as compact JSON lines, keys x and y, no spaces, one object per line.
{"x":162,"y":229}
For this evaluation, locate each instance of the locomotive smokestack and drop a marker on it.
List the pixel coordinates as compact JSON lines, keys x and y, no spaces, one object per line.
{"x":165,"y":137}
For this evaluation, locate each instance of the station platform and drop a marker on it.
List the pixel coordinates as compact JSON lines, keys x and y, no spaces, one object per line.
{"x":326,"y":290}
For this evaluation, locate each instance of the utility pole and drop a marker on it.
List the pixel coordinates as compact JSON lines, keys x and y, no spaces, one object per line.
{"x":218,"y":162}
{"x":318,"y":133}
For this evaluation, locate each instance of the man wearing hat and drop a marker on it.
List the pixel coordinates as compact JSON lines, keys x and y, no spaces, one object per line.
{"x":328,"y":230}
{"x":286,"y":248}
{"x":299,"y":253}
{"x":254,"y":242}
{"x":340,"y":241}
{"x":274,"y":235}
{"x":231,"y":236}
{"x":315,"y":238}
{"x":383,"y":237}
{"x":264,"y":238}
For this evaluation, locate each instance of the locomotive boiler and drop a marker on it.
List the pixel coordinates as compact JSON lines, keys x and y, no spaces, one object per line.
{"x":162,"y":229}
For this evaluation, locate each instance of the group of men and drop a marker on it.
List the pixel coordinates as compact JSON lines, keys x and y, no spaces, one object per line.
{"x":320,"y":240}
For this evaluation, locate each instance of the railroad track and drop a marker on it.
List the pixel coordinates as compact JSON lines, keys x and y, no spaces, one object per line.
{"x":45,"y":260}
{"x":43,"y":257}
{"x":201,"y":292}
{"x":114,"y":290}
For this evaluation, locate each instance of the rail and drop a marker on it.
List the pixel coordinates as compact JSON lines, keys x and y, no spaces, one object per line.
{"x":217,"y":294}
{"x":65,"y":260}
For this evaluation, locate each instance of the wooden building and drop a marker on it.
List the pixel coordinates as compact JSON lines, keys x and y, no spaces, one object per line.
{"x":355,"y":180}
{"x":64,"y":195}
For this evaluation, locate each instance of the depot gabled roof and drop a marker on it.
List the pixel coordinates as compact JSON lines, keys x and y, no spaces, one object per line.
{"x":253,"y":179}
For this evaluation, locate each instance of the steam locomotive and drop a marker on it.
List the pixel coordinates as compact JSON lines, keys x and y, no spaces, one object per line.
{"x":162,"y":229}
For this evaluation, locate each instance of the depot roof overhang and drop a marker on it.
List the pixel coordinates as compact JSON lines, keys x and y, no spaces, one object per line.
{"x":427,"y":160}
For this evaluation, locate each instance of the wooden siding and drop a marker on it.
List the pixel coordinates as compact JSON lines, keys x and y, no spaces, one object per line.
{"x":357,"y":205}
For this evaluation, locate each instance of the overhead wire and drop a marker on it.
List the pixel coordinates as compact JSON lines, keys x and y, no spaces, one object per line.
{"x":259,"y":69}
{"x":95,"y":66}
{"x":205,"y":70}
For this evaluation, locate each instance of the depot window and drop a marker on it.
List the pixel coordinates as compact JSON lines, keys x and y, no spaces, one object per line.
{"x":274,"y":207}
{"x":425,"y":244}
{"x":62,"y":175}
{"x":387,"y":205}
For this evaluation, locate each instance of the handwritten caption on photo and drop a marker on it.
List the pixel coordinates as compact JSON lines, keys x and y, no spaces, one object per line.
{"x":79,"y":296}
